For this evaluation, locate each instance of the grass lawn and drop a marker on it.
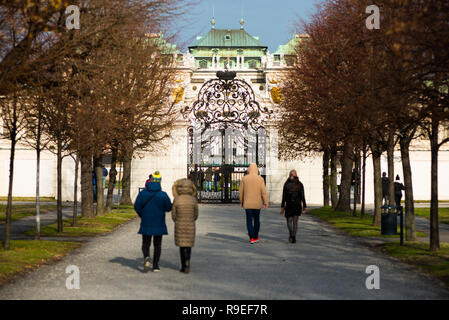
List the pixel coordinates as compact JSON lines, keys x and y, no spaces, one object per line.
{"x":25,"y":255}
{"x":43,"y":199}
{"x":436,"y":264}
{"x":24,"y":210}
{"x":89,"y":227}
{"x":355,"y":226}
{"x":443,"y":214}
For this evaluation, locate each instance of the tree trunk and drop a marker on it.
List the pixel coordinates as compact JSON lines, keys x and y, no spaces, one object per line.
{"x":356,"y":183}
{"x":38,"y":201}
{"x":126,"y":181}
{"x":100,"y":191}
{"x":410,"y":226}
{"x":362,"y":209}
{"x":390,"y":160}
{"x":434,"y":228}
{"x":9,"y":204}
{"x":376,"y":154}
{"x":112,"y":179}
{"x":75,"y":192}
{"x":344,"y":202}
{"x":87,"y":199}
{"x":119,"y":184}
{"x":326,"y":177}
{"x":59,"y":186}
{"x":333,"y":182}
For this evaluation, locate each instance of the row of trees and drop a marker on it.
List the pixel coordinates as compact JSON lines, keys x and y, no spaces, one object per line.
{"x":357,"y":92}
{"x":101,"y":89}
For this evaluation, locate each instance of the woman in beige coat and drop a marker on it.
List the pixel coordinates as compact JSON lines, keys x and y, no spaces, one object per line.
{"x":184,"y":215}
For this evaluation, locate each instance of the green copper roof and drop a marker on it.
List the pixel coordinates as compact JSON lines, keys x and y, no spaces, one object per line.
{"x":228,"y":38}
{"x":289,"y":47}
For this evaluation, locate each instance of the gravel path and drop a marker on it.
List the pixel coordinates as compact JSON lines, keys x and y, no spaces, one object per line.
{"x":323,"y":264}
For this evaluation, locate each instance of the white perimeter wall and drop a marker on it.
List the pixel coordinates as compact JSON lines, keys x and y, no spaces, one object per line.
{"x":170,"y":158}
{"x":25,"y":165}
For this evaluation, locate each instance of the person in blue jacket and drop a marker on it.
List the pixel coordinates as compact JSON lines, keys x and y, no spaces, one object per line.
{"x":151,"y":205}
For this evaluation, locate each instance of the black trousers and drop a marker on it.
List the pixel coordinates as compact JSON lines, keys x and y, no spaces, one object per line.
{"x":398,"y":200}
{"x":292,"y":225}
{"x":157,"y":243}
{"x":185,"y":253}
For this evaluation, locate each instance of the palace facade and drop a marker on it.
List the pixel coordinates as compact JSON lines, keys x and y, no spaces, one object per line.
{"x":258,"y":77}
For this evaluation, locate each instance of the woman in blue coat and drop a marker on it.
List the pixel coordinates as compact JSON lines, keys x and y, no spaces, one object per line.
{"x":151,"y":205}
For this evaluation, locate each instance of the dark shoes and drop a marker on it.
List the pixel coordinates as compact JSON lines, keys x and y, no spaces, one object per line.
{"x":292,"y":239}
{"x":186,"y":267}
{"x":156,"y":268}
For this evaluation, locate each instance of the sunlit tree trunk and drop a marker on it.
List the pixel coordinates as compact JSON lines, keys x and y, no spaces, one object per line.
{"x":326,"y":177}
{"x":410,"y":226}
{"x":376,"y":154}
{"x":333,"y":180}
{"x":112,"y":179}
{"x":75,"y":191}
{"x":434,"y":146}
{"x":87,"y":199}
{"x":344,"y":202}
{"x":126,"y":180}
{"x":100,"y":191}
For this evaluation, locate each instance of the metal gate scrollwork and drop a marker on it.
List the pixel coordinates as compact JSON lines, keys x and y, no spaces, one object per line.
{"x":226,"y":134}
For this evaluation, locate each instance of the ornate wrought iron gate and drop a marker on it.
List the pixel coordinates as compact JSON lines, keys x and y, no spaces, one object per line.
{"x":225,"y":136}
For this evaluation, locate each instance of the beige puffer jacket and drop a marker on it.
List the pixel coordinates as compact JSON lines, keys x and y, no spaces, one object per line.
{"x":184,"y":212}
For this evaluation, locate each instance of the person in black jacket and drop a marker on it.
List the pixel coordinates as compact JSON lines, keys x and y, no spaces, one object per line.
{"x":293,"y":203}
{"x":398,"y":187}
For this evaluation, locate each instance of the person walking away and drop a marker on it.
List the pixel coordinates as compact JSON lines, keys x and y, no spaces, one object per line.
{"x":208,"y":178}
{"x":293,"y":203}
{"x":216,"y":178}
{"x":105,"y":174}
{"x":184,"y":214}
{"x":385,"y":188}
{"x":201,"y":179}
{"x":398,"y":187}
{"x":94,"y":184}
{"x":151,"y":205}
{"x":149,"y":179}
{"x":339,"y":183}
{"x":252,"y":193}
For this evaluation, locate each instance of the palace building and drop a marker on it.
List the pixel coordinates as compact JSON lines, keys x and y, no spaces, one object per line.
{"x":227,"y":94}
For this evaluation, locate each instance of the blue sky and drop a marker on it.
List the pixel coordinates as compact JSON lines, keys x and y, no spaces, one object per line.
{"x":272,"y":20}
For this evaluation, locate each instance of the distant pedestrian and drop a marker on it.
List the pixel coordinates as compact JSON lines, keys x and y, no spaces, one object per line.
{"x":94,"y":184}
{"x":398,"y":187}
{"x":252,"y":194}
{"x":151,"y":205}
{"x":385,"y":188}
{"x":208,"y":177}
{"x":216,"y":178}
{"x":105,"y":174}
{"x":293,"y":203}
{"x":339,"y":183}
{"x":149,"y":179}
{"x":201,"y":178}
{"x":184,"y":214}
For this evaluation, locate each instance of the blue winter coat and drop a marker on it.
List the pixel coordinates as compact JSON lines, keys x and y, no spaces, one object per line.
{"x":153,"y":213}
